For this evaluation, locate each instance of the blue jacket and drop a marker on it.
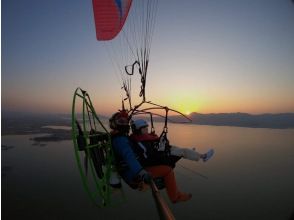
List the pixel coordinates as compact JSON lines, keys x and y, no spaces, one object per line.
{"x":123,"y":152}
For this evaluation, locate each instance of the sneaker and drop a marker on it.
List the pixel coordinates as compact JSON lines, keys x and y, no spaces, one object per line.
{"x":207,"y":155}
{"x":183,"y":197}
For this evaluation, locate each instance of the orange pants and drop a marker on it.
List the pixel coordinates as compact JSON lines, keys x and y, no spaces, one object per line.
{"x":169,"y":179}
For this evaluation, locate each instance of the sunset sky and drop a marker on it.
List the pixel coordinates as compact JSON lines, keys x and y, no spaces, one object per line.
{"x":207,"y":56}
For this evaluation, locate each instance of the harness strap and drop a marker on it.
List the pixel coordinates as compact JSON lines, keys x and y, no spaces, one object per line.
{"x":143,"y":148}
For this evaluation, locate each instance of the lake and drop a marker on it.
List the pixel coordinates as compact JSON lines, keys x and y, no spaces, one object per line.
{"x":250,"y":177}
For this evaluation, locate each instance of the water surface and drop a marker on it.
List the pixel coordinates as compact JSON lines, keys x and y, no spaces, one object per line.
{"x":250,"y":177}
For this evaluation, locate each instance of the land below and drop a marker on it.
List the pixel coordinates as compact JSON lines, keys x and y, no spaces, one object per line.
{"x":276,"y":121}
{"x":27,"y":123}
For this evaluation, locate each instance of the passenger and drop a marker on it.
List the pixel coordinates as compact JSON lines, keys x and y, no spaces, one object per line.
{"x":132,"y":171}
{"x":154,"y":150}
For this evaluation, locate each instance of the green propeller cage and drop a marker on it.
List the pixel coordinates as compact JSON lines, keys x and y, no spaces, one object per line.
{"x":93,"y":151}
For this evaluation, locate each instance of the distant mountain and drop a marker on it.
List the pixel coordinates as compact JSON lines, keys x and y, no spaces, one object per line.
{"x":15,"y":122}
{"x":282,"y":120}
{"x":30,"y":123}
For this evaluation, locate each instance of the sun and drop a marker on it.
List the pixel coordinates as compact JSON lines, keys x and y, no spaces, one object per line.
{"x":188,"y":112}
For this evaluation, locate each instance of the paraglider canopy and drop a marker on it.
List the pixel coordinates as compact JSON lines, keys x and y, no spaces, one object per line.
{"x":110,"y":17}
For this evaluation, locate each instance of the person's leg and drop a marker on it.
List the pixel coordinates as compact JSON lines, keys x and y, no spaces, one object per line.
{"x":186,"y":153}
{"x":169,"y":179}
{"x":170,"y":182}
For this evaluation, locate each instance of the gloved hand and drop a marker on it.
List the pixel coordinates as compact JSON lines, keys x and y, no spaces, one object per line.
{"x":161,"y":144}
{"x":145,"y":176}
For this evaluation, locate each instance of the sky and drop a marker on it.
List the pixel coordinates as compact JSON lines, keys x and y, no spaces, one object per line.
{"x":207,"y":56}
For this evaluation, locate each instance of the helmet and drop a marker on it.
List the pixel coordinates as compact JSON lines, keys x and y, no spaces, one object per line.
{"x":138,"y":124}
{"x":119,"y":120}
